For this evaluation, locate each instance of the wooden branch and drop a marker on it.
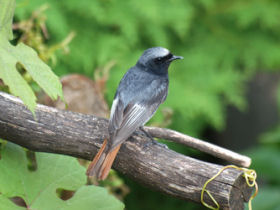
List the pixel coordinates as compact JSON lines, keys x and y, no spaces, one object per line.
{"x":200,"y":145}
{"x":159,"y":168}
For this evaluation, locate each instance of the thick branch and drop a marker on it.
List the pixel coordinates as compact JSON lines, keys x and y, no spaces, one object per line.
{"x":81,"y":136}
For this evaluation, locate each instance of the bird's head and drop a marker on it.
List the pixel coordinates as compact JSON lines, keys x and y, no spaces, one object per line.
{"x":157,"y":60}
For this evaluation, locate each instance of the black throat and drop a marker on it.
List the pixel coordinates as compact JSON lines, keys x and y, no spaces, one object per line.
{"x":154,"y":69}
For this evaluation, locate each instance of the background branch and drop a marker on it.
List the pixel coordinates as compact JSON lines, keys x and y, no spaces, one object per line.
{"x":159,"y":168}
{"x":225,"y":154}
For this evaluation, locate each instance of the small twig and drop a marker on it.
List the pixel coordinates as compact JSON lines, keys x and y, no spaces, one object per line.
{"x":200,"y":145}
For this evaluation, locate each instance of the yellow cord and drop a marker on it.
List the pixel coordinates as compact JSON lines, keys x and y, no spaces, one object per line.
{"x":250,"y":177}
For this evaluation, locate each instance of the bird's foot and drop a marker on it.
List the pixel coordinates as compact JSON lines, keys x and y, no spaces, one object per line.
{"x":154,"y":142}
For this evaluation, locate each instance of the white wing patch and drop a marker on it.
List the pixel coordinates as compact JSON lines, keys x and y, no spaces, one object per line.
{"x":114,"y":105}
{"x":126,"y":118}
{"x":135,"y":115}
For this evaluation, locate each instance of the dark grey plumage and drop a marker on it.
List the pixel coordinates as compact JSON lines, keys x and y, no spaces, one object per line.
{"x":140,"y":92}
{"x":142,"y":89}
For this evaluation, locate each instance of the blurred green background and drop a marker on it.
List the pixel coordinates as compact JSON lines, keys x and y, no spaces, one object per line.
{"x":226,"y":90}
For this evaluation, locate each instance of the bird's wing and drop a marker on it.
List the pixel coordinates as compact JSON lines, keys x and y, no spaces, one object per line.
{"x":126,"y":119}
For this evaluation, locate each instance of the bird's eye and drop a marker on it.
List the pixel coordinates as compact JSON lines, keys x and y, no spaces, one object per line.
{"x":159,"y":59}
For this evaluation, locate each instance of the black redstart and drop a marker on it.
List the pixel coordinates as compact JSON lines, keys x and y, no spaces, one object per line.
{"x":140,"y":92}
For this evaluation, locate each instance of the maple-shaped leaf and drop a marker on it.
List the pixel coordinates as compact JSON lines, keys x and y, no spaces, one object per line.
{"x":8,"y":204}
{"x":39,"y":188}
{"x":21,"y":54}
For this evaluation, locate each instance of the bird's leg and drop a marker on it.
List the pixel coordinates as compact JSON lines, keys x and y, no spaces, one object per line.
{"x":153,"y":141}
{"x":147,"y":134}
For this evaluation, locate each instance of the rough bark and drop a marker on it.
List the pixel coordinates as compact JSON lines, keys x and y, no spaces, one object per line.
{"x":79,"y":135}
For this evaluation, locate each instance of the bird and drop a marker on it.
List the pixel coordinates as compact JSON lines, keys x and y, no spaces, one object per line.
{"x":140,"y":92}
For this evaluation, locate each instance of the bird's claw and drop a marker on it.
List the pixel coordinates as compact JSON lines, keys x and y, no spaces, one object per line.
{"x":154,"y":142}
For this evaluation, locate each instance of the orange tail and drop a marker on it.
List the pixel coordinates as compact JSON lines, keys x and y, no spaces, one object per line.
{"x":102,"y":162}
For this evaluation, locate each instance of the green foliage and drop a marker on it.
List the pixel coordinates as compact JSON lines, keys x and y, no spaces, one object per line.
{"x":266,"y":162}
{"x":11,"y":57}
{"x":223,"y":43}
{"x":8,"y":204}
{"x":39,"y":188}
{"x":272,"y":138}
{"x":268,"y":199}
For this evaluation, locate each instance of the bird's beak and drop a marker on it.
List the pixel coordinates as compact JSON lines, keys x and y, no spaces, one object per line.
{"x":175,"y":57}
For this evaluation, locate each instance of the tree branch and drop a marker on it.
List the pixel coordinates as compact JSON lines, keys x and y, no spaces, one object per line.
{"x":200,"y":145}
{"x":80,"y":135}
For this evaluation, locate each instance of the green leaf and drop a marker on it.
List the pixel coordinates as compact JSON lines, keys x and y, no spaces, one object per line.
{"x":38,"y":188}
{"x":39,"y":71}
{"x":267,"y":198}
{"x":7,"y":8}
{"x":21,"y":54}
{"x":7,"y":204}
{"x":11,"y":77}
{"x":93,"y":196}
{"x":266,"y":163}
